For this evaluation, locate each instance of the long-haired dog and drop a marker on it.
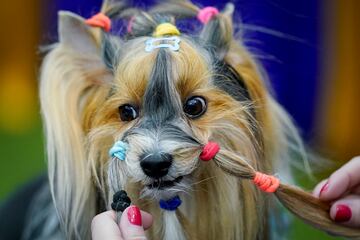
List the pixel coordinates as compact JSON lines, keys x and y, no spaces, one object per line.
{"x":98,"y":88}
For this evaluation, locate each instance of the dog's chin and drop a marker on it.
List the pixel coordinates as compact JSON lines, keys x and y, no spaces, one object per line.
{"x":165,"y":189}
{"x":164,"y":184}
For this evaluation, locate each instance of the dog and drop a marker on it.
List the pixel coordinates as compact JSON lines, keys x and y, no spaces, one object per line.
{"x":97,"y":88}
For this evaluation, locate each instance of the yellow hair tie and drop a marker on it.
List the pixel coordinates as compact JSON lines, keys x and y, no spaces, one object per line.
{"x":164,"y":29}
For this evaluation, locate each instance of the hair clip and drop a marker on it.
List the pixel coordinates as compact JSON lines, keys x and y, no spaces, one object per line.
{"x":130,"y":24}
{"x":118,"y":150}
{"x":172,"y":43}
{"x":100,"y":20}
{"x":164,"y":29}
{"x":266,"y":183}
{"x":171,"y":204}
{"x":209,"y":151}
{"x":120,"y":201}
{"x":206,"y":14}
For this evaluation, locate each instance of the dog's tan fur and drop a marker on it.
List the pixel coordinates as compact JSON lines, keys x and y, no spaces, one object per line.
{"x":82,"y":122}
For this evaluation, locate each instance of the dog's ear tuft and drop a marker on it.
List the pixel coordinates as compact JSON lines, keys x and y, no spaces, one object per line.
{"x":218,"y":32}
{"x":76,"y":34}
{"x":110,"y":49}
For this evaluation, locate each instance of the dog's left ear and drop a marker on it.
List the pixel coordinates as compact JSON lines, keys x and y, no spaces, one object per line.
{"x":83,"y":39}
{"x":74,"y":81}
{"x":76,"y":34}
{"x":218,"y":32}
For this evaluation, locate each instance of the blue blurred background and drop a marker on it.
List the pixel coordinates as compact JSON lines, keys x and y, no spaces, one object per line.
{"x":308,"y":48}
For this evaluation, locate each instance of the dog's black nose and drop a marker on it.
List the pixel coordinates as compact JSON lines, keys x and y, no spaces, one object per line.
{"x":156,"y":165}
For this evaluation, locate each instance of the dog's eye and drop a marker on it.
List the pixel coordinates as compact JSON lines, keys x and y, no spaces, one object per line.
{"x":195,"y":107}
{"x":128,"y":113}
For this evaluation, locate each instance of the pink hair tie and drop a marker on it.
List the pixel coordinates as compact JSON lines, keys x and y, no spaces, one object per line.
{"x":209,"y":151}
{"x":100,"y":20}
{"x":266,"y":183}
{"x":130,"y":24}
{"x":206,"y":14}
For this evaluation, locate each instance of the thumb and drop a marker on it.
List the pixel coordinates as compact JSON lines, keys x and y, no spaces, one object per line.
{"x":131,"y":224}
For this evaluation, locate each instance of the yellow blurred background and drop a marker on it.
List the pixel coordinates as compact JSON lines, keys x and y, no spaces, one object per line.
{"x":338,"y":121}
{"x":21,"y":150}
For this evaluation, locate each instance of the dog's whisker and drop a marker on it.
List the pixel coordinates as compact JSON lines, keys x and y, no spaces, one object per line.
{"x":203,"y":180}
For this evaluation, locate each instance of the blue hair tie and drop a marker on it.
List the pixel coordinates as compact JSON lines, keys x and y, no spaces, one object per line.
{"x":118,"y":150}
{"x":171,"y":204}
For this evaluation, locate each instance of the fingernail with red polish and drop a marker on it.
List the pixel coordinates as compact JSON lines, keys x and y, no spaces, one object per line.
{"x":134,"y":215}
{"x":324,"y":188}
{"x":343,"y":213}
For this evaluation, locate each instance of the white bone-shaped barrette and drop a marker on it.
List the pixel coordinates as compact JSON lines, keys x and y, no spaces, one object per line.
{"x":173,"y":43}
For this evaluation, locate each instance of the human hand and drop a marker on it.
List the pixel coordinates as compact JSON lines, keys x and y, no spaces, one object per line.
{"x":342,"y":189}
{"x":132,"y":225}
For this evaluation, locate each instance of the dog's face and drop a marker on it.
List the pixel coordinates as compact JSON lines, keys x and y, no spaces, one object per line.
{"x":97,"y":89}
{"x":165,"y":105}
{"x":165,"y":101}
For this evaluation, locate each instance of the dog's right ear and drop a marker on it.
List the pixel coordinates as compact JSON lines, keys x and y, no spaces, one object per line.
{"x":76,"y":34}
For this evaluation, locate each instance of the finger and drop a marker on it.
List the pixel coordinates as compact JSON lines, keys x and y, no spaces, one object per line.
{"x":347,"y":211}
{"x":147,"y":219}
{"x":356,"y":190}
{"x":132,"y":223}
{"x":104,"y":226}
{"x":342,"y":180}
{"x":317,"y":189}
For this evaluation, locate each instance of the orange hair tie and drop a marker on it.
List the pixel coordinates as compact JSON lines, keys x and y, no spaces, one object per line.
{"x":100,"y":20}
{"x":266,"y":183}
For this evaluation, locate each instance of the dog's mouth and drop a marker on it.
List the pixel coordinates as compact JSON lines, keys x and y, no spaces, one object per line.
{"x":161,"y":184}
